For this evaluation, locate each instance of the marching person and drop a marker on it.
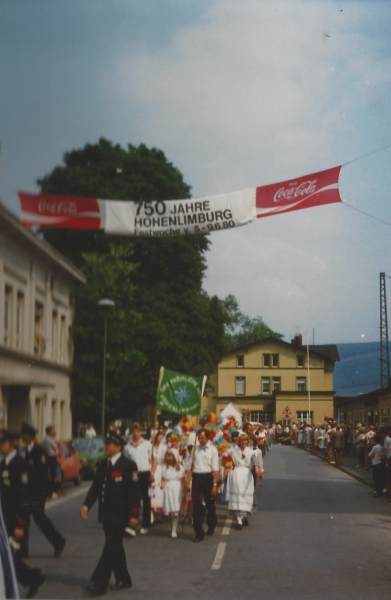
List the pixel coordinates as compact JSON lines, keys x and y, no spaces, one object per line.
{"x":39,"y":489}
{"x":13,"y":488}
{"x":140,"y":451}
{"x":240,"y":483}
{"x":173,"y":486}
{"x":117,"y":490}
{"x":204,"y":484}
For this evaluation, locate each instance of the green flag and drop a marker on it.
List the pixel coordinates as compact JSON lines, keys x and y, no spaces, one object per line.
{"x":180,"y":394}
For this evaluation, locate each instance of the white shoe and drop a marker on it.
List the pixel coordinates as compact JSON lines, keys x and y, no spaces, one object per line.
{"x":143,"y":531}
{"x":130,"y":531}
{"x":385,"y":490}
{"x":174,"y":535}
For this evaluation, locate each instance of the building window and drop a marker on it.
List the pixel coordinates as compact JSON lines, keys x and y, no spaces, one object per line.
{"x":300,"y":384}
{"x":63,"y":339}
{"x":62,"y":419}
{"x":54,"y":413}
{"x":300,"y":361}
{"x":240,"y":360}
{"x":19,"y":320}
{"x":302,"y":415}
{"x":39,"y":338}
{"x":259,"y":416}
{"x":54,"y":335}
{"x":240,"y":385}
{"x":265,"y":385}
{"x":271,"y":360}
{"x":8,"y":316}
{"x":384,"y":416}
{"x":276,"y":384}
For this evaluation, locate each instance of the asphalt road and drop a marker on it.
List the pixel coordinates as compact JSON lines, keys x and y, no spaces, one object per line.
{"x":318,"y":534}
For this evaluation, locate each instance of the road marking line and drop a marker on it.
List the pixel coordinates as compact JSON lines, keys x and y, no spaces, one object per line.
{"x":227,"y":526}
{"x":58,"y":501}
{"x":219,"y":556}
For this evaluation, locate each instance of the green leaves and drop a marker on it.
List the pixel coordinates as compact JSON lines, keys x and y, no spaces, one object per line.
{"x":161,"y":315}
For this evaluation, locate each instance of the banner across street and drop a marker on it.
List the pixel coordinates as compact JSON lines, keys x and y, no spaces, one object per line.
{"x":160,"y":218}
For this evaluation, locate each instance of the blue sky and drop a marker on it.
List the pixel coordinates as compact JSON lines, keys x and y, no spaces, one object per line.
{"x":237,"y":94}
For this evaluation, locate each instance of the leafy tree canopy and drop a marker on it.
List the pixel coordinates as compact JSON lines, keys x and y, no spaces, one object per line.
{"x":241,"y":329}
{"x":161,"y":316}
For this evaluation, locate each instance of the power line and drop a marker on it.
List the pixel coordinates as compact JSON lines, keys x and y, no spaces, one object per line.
{"x":366,"y":214}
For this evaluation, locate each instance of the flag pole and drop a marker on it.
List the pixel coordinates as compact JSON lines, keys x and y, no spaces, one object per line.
{"x":161,"y":373}
{"x":190,"y":473}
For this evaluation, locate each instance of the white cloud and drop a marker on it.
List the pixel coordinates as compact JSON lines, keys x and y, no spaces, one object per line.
{"x":258,"y":93}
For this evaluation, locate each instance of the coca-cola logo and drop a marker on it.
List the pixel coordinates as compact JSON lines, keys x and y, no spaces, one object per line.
{"x":303,"y":189}
{"x":54,"y":207}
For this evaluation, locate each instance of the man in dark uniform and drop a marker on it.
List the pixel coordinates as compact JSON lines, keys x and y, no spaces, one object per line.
{"x":39,"y":489}
{"x":116,"y":488}
{"x":13,"y":488}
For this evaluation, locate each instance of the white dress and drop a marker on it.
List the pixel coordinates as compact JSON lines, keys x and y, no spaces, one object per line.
{"x":320,"y":439}
{"x":172,"y":493}
{"x":240,"y":483}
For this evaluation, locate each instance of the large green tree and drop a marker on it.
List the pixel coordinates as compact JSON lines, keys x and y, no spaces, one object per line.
{"x":242,"y":329}
{"x":162,"y":316}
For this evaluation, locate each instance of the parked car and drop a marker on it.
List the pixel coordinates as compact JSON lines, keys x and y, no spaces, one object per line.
{"x":90,"y":452}
{"x":70,"y":462}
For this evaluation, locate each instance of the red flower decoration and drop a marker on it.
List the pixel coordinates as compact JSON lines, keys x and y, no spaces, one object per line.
{"x":243,"y":456}
{"x":116,"y":474}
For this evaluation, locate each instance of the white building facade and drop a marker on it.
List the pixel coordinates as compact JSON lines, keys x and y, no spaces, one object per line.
{"x":36,"y":313}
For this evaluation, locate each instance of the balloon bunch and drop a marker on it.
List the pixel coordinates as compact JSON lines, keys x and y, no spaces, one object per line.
{"x":188,"y":424}
{"x":226,"y":461}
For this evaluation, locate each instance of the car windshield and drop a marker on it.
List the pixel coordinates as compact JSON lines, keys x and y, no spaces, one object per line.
{"x":84,"y":445}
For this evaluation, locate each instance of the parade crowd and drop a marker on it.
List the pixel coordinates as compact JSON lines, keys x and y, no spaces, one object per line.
{"x":176,"y":474}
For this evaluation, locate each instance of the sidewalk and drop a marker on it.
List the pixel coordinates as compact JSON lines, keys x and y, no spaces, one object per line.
{"x":348,"y":466}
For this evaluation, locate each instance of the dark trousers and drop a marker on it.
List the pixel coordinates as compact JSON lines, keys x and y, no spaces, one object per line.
{"x":36,"y":508}
{"x":143,"y":480}
{"x":113,"y":557}
{"x":377,"y":476}
{"x":24,"y":574}
{"x":201,"y":488}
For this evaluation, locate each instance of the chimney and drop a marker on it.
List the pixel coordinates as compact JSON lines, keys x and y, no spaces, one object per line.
{"x":297,"y":341}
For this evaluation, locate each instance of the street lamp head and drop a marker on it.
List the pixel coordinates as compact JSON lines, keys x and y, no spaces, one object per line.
{"x":106,"y":303}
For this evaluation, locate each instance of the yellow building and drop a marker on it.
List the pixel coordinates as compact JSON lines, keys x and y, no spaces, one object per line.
{"x":271,"y":380}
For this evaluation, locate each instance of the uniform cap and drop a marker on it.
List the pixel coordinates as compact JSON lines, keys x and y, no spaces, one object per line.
{"x":114,"y":437}
{"x":28,"y":430}
{"x":6,"y":436}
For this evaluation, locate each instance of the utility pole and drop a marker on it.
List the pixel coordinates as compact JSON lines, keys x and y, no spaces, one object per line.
{"x":384,"y":349}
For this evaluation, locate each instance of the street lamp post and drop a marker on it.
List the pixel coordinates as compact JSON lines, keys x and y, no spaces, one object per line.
{"x":106,"y":305}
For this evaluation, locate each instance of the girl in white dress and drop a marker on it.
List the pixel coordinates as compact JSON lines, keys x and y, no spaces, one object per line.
{"x":240,"y":482}
{"x":173,"y":486}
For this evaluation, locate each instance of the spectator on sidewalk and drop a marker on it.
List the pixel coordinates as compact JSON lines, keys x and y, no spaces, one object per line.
{"x":368,"y":446}
{"x":90,"y":431}
{"x":360,"y":447}
{"x":336,"y":441}
{"x":376,"y":455}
